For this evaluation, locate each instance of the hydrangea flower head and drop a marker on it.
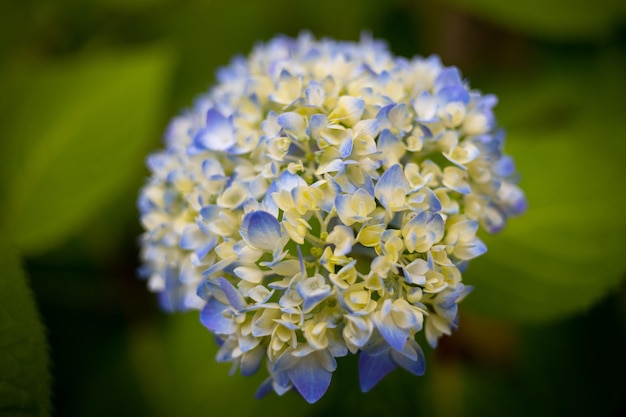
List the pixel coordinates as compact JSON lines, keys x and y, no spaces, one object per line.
{"x":322,"y":200}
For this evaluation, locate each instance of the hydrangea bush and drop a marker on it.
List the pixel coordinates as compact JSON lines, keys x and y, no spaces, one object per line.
{"x":323,"y":199}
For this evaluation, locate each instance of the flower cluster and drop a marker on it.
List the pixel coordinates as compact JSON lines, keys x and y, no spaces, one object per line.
{"x":322,"y":199}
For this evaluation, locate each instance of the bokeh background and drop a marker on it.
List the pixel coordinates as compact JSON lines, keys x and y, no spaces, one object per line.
{"x":86,"y":90}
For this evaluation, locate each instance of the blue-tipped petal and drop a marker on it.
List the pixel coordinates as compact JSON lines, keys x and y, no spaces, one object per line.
{"x":312,"y":297}
{"x":282,"y":383}
{"x":473,"y":250}
{"x":345,"y":148}
{"x":232,"y":294}
{"x":268,"y":201}
{"x":261,"y":230}
{"x":316,"y":124}
{"x":504,"y":166}
{"x":391,"y":180}
{"x":192,"y":238}
{"x":309,"y":378}
{"x":218,"y":135}
{"x":251,"y":361}
{"x":425,"y":107}
{"x":448,"y":76}
{"x":373,"y":368}
{"x":291,"y":121}
{"x":210,"y":213}
{"x":264,"y":389}
{"x":314,"y":94}
{"x":453,"y":93}
{"x":212,"y":318}
{"x":288,"y":181}
{"x":415,"y":366}
{"x":394,"y":335}
{"x":398,"y":115}
{"x":387,"y":140}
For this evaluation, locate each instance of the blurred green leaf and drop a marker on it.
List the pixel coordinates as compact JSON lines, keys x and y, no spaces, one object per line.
{"x":76,"y":134}
{"x":24,"y":373}
{"x":566,"y":252}
{"x":555,"y":19}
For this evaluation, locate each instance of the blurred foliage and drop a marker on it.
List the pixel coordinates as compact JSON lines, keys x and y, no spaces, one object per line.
{"x":85,"y":89}
{"x":94,"y":119}
{"x":556,"y":19}
{"x":24,"y":368}
{"x":567,"y":250}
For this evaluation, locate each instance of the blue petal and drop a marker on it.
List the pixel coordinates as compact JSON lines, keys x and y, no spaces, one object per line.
{"x":282,"y":383}
{"x":311,"y":301}
{"x":191,"y":238}
{"x":268,"y":201}
{"x":520,"y":206}
{"x":205,"y":289}
{"x":504,"y":166}
{"x":383,"y":113}
{"x":288,"y":181}
{"x":213,"y":319}
{"x":210,"y":213}
{"x":168,"y":301}
{"x":264,"y":389}
{"x":392,"y":179}
{"x":369,"y":127}
{"x":479,"y":248}
{"x":345,"y":148}
{"x":374,"y":368}
{"x":454,"y":93}
{"x":203,"y":250}
{"x":261,"y":230}
{"x":232,"y":294}
{"x":251,"y":361}
{"x":225,"y":265}
{"x":316,"y":124}
{"x":156,"y":162}
{"x":448,"y":76}
{"x":449,"y":312}
{"x":414,"y":366}
{"x":367,"y":184}
{"x":393,"y":334}
{"x":342,"y":204}
{"x":387,"y":140}
{"x":309,"y":378}
{"x":291,"y":121}
{"x":218,"y":135}
{"x":429,"y":197}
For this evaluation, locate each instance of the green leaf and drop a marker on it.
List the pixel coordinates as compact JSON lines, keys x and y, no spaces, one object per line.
{"x":555,"y":19}
{"x":566,"y":252}
{"x":24,"y":369}
{"x":76,"y":135}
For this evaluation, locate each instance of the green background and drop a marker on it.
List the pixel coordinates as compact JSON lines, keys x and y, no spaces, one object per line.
{"x":86,"y":90}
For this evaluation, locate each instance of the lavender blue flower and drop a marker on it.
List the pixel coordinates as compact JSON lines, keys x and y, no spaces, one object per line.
{"x":321,"y":200}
